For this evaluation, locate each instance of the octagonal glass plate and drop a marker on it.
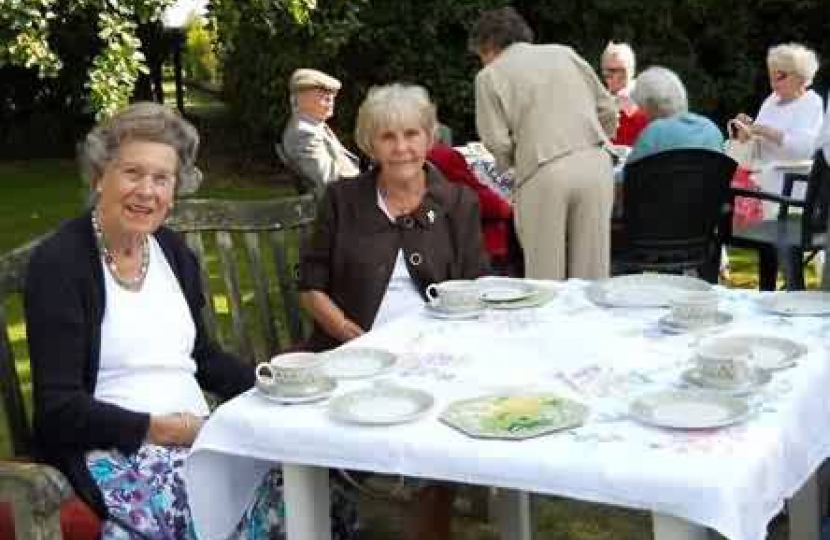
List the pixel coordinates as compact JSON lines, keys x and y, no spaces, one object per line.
{"x":514,"y":416}
{"x":689,"y":409}
{"x":642,"y":290}
{"x":357,"y":362}
{"x":796,"y":303}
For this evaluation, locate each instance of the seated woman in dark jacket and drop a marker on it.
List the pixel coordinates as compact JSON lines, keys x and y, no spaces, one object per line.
{"x":118,"y":348}
{"x":382,"y":238}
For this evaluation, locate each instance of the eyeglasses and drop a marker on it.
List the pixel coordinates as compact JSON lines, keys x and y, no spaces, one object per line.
{"x":779,"y":76}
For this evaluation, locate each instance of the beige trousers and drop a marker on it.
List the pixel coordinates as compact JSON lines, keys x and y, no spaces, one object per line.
{"x":563,"y":217}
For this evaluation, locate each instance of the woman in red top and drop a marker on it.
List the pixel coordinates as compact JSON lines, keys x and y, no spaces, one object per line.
{"x":618,"y":65}
{"x":496,"y":211}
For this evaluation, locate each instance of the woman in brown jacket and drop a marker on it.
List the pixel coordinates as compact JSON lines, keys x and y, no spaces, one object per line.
{"x":382,"y":238}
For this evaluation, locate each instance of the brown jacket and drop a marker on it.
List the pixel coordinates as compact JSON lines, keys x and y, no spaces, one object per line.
{"x":354,"y":247}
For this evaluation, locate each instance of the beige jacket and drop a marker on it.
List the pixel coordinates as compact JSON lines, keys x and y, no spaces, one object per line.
{"x":536,"y":103}
{"x":314,"y":151}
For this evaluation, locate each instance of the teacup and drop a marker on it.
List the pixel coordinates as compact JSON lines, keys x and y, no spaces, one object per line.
{"x":724,"y":360}
{"x":454,"y":295}
{"x":694,"y":308}
{"x":291,"y":373}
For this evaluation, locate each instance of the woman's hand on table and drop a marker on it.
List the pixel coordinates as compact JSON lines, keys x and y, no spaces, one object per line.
{"x":175,"y":429}
{"x":349,"y":330}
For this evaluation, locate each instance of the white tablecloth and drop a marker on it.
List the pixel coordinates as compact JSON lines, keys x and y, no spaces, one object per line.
{"x":733,"y":480}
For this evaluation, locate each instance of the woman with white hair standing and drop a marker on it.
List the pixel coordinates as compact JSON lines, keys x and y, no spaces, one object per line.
{"x":662,"y":97}
{"x":789,"y":121}
{"x":618,"y":66}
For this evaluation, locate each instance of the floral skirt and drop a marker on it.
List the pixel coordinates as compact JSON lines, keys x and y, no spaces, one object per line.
{"x":146,"y":499}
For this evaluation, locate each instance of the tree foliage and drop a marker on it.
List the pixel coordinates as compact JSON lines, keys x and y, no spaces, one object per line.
{"x":26,"y":28}
{"x":718,"y":47}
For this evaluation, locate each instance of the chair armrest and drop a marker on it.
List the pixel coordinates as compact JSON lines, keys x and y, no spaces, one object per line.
{"x":36,"y":492}
{"x":766,"y":196}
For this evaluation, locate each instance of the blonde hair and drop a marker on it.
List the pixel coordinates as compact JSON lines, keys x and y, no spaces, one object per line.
{"x":794,"y":58}
{"x":394,"y":105}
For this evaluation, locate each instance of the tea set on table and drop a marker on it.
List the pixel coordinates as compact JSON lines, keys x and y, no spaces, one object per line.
{"x":469,"y":299}
{"x":712,"y":392}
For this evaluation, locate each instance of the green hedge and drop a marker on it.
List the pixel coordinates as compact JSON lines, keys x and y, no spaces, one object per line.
{"x":717,"y":46}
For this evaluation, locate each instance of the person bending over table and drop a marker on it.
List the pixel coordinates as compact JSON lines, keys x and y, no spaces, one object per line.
{"x":118,"y":347}
{"x":543,"y":109}
{"x":383,"y":237}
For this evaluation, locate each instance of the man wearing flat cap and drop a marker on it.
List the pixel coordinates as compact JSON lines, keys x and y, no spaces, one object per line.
{"x":309,"y":146}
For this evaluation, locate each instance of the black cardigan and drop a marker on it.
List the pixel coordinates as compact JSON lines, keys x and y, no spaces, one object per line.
{"x":64,"y":301}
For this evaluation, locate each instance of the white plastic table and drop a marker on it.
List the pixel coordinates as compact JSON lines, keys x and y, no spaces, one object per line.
{"x":732,"y":480}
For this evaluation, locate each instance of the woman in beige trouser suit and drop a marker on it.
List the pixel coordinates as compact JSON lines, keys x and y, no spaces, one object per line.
{"x":542,"y":109}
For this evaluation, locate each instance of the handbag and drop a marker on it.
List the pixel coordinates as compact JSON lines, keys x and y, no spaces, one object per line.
{"x":746,"y":153}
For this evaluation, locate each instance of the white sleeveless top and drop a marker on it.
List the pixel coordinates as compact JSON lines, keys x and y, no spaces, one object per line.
{"x":147,"y":339}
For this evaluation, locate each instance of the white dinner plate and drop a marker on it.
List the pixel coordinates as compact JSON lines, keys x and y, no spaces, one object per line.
{"x":438,"y":312}
{"x":667,"y":324}
{"x":642,"y":290}
{"x":770,"y":353}
{"x":796,"y":303}
{"x":756,"y":379}
{"x":685,"y":409}
{"x":498,"y":290}
{"x":357,"y":362}
{"x":315,"y":393}
{"x":381,"y":405}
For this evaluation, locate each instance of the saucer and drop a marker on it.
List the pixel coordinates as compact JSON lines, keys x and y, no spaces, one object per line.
{"x":303,"y":394}
{"x":754,"y":381}
{"x":435,"y":310}
{"x":667,"y":323}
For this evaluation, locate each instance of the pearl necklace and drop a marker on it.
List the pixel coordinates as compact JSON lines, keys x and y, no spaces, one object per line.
{"x":133,"y":283}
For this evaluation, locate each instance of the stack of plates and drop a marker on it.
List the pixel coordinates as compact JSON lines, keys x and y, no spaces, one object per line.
{"x":512,"y":293}
{"x":642,"y":290}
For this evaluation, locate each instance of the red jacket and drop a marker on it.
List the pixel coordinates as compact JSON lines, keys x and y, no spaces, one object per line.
{"x":496,"y":212}
{"x":632,"y":122}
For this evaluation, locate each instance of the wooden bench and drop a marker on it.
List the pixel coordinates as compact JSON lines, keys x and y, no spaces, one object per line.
{"x":250,"y":245}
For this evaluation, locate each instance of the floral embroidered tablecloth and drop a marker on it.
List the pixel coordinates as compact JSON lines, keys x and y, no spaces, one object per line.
{"x":733,"y":480}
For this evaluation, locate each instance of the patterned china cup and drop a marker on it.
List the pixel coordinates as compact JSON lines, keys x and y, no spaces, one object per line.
{"x":694,"y":308}
{"x":454,"y":295}
{"x":291,"y":373}
{"x":724,"y":360}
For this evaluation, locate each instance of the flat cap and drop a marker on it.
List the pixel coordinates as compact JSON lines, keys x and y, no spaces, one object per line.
{"x":311,"y":78}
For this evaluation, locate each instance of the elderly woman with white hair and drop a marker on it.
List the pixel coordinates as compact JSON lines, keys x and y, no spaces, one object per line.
{"x":661,"y":95}
{"x":383,"y":237}
{"x":618,"y":66}
{"x":789,"y":121}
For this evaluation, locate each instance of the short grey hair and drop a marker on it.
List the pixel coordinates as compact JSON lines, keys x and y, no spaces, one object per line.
{"x":498,"y":29}
{"x":625,"y":53}
{"x":794,"y":58}
{"x":393,"y":106}
{"x":142,"y":121}
{"x":661,"y":92}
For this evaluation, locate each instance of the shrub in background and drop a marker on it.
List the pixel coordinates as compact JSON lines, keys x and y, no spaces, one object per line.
{"x":718,"y":47}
